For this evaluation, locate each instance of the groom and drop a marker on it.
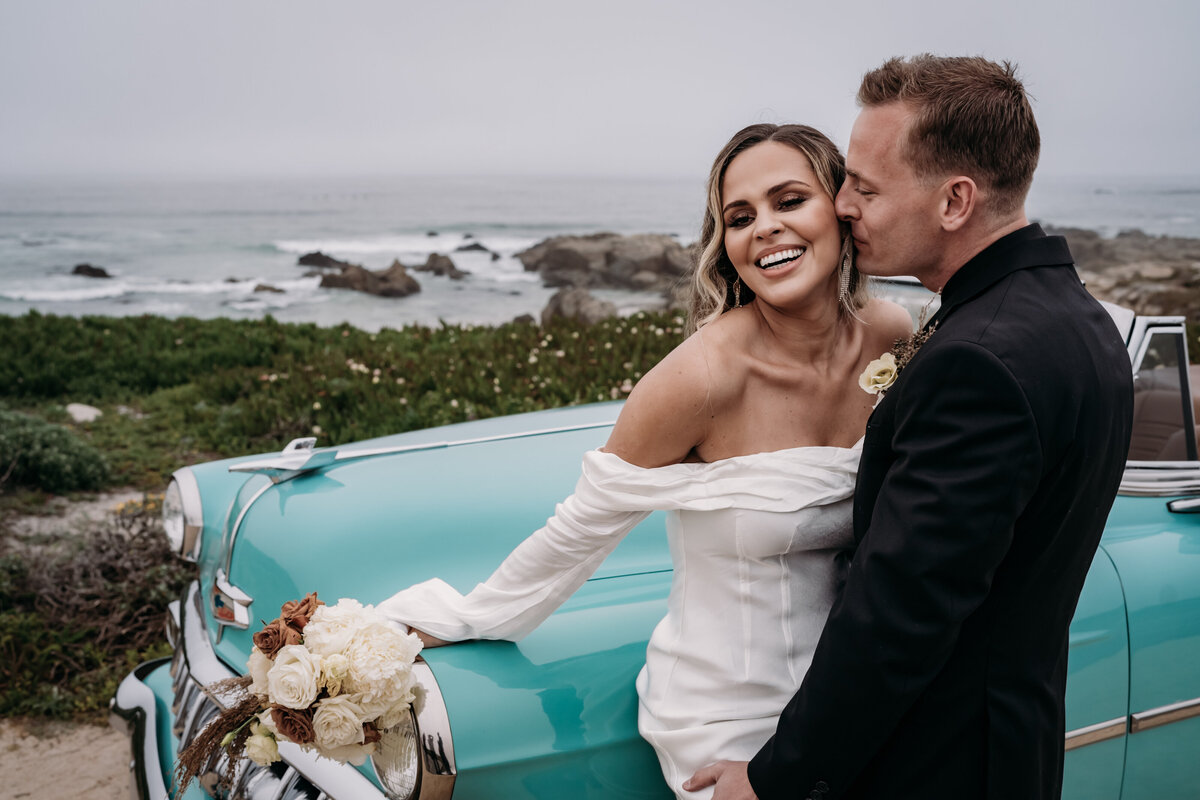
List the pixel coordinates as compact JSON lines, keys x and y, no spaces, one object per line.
{"x":988,"y":469}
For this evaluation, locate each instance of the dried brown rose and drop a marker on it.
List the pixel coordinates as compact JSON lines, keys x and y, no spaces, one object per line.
{"x":371,"y":733}
{"x":275,"y":636}
{"x":295,"y":724}
{"x":298,"y":612}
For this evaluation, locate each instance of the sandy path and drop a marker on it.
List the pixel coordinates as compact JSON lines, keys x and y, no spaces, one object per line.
{"x":51,"y":760}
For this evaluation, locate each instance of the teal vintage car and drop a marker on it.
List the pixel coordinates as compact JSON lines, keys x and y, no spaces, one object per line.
{"x":554,"y":716}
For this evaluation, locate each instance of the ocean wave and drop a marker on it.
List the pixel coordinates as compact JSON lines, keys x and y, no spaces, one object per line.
{"x":106,"y":292}
{"x":117,"y":288}
{"x":410,"y":244}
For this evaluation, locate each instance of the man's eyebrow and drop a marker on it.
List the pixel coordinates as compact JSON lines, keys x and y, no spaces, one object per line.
{"x":852,"y":173}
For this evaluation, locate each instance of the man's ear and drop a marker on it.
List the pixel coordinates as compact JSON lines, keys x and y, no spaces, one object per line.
{"x":959,"y":196}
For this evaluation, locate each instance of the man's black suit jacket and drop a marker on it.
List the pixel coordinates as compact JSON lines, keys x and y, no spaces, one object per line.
{"x":988,"y":470}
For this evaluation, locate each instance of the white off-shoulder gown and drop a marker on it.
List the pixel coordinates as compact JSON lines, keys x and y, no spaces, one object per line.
{"x":758,"y":544}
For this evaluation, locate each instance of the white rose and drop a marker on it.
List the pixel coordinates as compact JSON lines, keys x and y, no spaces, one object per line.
{"x":329,"y":629}
{"x":879,"y":375}
{"x":262,"y":749}
{"x":259,"y":665}
{"x":338,"y":721}
{"x":292,"y":681}
{"x":381,"y":664}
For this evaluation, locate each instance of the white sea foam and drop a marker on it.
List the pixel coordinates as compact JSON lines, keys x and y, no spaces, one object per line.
{"x":403,"y":244}
{"x":61,"y":292}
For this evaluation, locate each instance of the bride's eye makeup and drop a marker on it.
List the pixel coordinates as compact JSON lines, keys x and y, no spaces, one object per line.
{"x":791,"y":201}
{"x":739,"y":220}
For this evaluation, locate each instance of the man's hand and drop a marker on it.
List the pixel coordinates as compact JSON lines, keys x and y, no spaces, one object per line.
{"x":729,"y":778}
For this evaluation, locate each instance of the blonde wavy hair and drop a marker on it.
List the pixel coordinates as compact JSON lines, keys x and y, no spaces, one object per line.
{"x":712,"y":290}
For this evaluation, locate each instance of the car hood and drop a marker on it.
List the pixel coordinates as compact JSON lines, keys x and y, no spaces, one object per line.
{"x":453,"y":507}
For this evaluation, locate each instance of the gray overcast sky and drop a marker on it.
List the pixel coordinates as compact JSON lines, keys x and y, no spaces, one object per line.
{"x":552,"y":86}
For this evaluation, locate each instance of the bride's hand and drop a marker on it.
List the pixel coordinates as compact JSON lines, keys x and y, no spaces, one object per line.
{"x":428,"y":639}
{"x":729,"y":778}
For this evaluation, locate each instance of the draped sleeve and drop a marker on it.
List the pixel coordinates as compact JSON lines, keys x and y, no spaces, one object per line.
{"x":610,"y":499}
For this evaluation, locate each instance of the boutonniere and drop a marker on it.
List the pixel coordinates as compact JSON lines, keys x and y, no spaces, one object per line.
{"x":881,"y":373}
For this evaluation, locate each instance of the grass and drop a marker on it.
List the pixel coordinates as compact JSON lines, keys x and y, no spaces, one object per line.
{"x":175,"y":392}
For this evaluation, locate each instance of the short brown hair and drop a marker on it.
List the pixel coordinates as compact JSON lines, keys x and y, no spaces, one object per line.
{"x":972,"y":117}
{"x":713,"y":281}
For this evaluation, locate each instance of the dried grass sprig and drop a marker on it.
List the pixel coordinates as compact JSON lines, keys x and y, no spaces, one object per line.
{"x":206,"y":748}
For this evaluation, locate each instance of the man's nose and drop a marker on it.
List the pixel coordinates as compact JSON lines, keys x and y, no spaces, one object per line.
{"x":844,"y":205}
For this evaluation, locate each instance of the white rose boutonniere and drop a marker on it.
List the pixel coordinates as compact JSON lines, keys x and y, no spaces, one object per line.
{"x":879,"y":375}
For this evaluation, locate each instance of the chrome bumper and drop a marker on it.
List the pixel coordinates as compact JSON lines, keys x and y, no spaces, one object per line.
{"x":132,"y":711}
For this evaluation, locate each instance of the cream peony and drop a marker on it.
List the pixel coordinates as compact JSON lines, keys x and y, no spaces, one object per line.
{"x":330,"y":628}
{"x":393,"y":715}
{"x":262,"y":749}
{"x":338,"y":721}
{"x":381,"y":661}
{"x":292,"y":681}
{"x":259,"y":665}
{"x":879,"y":375}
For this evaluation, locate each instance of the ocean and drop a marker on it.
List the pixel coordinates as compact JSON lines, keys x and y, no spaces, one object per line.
{"x":201,"y":247}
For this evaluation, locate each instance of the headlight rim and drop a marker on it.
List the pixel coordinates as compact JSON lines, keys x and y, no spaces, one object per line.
{"x":187,"y":544}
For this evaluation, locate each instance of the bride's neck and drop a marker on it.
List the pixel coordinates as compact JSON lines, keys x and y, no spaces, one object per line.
{"x":811,"y":336}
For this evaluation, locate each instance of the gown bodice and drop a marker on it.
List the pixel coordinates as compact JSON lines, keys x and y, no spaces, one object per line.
{"x":758,"y":544}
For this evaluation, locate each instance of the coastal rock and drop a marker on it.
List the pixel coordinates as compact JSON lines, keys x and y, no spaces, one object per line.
{"x":576,"y":303}
{"x":439,"y":264}
{"x":83,"y":413}
{"x":1153,"y":275}
{"x":89,"y":271}
{"x":609,"y":260}
{"x":266,"y":287}
{"x":321,"y":261}
{"x":391,"y":282}
{"x":473,"y":247}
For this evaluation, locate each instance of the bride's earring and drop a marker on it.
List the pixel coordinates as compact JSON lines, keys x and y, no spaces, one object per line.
{"x":845,"y":268}
{"x":737,"y":292}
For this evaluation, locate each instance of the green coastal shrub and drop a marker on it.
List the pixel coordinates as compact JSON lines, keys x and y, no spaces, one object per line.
{"x":38,"y":455}
{"x":180,"y":391}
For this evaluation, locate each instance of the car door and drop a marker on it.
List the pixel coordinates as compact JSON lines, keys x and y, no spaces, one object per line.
{"x":1153,"y":540}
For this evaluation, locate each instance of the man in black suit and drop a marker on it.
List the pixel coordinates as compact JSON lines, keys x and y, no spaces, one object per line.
{"x":987,"y":473}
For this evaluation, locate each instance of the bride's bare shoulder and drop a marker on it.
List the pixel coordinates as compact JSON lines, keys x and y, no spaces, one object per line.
{"x":670,"y":410}
{"x":884,"y":322}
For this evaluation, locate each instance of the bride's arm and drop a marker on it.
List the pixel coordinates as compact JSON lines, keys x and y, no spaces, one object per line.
{"x":660,"y":424}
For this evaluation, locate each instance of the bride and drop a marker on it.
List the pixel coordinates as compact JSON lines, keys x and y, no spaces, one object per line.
{"x":748,"y":433}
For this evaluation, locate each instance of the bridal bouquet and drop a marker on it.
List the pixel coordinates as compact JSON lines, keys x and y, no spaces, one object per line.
{"x":328,"y":678}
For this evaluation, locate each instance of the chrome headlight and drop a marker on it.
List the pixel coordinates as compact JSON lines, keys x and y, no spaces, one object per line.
{"x":183,"y":517}
{"x":395,"y":759}
{"x":416,"y":758}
